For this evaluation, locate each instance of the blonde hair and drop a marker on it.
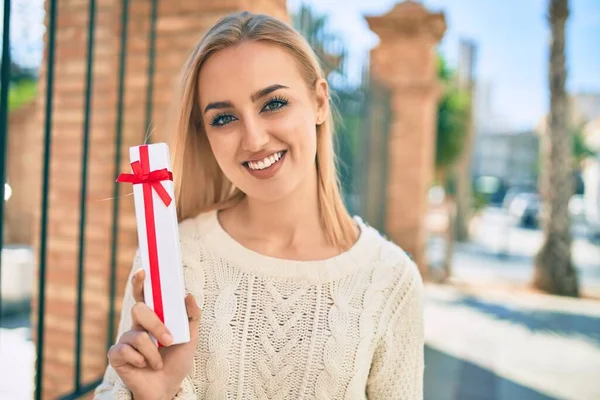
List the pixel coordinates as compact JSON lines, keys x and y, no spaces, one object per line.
{"x":200,"y":185}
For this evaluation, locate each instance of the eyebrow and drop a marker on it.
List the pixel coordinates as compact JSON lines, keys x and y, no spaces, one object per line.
{"x":254,"y":97}
{"x":263,"y":92}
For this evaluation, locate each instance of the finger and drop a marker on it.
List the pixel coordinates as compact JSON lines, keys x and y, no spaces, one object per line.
{"x":137,"y":283}
{"x":141,"y":341}
{"x":146,"y":319}
{"x":194,"y":313}
{"x":122,"y":353}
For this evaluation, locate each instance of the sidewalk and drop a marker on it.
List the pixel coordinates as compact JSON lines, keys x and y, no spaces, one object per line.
{"x":505,"y":346}
{"x":17,"y":359}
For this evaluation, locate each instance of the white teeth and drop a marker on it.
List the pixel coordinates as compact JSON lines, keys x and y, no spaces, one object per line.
{"x":266,"y":162}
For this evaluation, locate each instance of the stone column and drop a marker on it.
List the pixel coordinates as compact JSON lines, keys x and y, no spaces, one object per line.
{"x":405,"y":60}
{"x":180,"y":23}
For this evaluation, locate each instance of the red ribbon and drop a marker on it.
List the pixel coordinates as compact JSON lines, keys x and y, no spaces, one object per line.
{"x":142,"y":174}
{"x":150,"y":180}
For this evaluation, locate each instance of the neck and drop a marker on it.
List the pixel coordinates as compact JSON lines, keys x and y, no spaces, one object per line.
{"x":291,"y":220}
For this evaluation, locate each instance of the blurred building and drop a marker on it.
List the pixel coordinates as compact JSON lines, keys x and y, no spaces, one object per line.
{"x":487,"y":119}
{"x":583,"y":108}
{"x":512,"y":157}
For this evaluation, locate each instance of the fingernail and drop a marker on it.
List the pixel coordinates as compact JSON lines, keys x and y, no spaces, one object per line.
{"x":143,"y":364}
{"x":159,"y":366}
{"x":166,"y":339}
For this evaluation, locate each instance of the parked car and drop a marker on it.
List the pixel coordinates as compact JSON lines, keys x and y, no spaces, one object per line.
{"x":525,"y":208}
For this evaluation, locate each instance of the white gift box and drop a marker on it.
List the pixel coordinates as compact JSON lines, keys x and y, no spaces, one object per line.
{"x":158,"y":236}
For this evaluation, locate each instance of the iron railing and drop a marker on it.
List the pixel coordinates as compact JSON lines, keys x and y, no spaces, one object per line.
{"x":79,"y":387}
{"x":4,"y":87}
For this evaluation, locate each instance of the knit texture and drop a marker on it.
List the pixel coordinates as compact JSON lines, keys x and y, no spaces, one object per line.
{"x":349,"y":327}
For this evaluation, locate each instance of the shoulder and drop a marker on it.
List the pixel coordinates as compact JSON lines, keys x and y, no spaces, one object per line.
{"x":194,"y":228}
{"x":394,"y":268}
{"x":389,"y":256}
{"x":194,"y":237}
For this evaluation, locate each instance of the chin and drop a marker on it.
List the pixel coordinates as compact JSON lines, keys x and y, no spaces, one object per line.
{"x":269,"y":192}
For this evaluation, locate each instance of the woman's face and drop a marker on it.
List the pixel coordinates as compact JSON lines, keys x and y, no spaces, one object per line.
{"x":260,"y":118}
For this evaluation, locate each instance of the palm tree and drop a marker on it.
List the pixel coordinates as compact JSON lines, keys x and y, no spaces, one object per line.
{"x":451,"y":137}
{"x":554,"y":270}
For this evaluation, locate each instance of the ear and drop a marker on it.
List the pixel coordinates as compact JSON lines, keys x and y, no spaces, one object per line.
{"x":322,"y":101}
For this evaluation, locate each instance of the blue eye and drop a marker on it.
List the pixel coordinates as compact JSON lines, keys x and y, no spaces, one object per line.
{"x":222,"y":120}
{"x":275,"y":104}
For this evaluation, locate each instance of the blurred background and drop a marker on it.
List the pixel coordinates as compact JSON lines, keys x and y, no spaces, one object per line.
{"x":468,"y":132}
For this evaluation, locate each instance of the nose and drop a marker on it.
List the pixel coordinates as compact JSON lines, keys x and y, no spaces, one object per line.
{"x":255,"y":137}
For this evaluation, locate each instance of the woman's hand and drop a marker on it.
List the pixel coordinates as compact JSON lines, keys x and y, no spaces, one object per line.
{"x":146,"y":370}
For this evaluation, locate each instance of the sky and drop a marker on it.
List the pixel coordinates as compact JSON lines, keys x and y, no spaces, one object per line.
{"x":27,"y":30}
{"x":512,"y":38}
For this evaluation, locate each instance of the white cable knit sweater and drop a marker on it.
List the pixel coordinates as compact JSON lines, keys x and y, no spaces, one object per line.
{"x":349,"y":327}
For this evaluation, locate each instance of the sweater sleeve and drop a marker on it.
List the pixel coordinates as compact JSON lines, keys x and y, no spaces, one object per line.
{"x":112,"y":387}
{"x":398,"y":362}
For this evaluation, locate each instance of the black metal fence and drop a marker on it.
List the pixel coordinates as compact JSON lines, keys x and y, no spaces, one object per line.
{"x":79,"y":387}
{"x":362,"y":133}
{"x":363,"y":118}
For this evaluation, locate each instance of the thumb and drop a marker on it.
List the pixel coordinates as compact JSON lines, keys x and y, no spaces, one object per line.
{"x":193,"y":312}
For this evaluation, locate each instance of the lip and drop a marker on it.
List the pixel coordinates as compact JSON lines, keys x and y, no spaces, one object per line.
{"x":267,"y":172}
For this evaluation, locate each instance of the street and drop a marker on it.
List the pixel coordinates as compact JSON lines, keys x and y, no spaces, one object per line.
{"x":500,"y":251}
{"x":493,"y":343}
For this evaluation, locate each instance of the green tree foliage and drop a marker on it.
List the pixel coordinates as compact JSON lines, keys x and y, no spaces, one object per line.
{"x":452,"y":120}
{"x":327,"y":45}
{"x":22,"y":87}
{"x":21,"y":93}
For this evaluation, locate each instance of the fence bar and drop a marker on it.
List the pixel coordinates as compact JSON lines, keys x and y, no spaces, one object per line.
{"x":151,"y":58}
{"x":52,"y":17}
{"x":118,"y":144}
{"x":4,"y":87}
{"x":84,"y":169}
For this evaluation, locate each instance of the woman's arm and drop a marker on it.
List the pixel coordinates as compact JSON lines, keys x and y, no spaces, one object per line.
{"x":398,"y":363}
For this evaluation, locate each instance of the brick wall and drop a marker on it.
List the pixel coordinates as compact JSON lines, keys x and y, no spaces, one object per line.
{"x":179,"y":25}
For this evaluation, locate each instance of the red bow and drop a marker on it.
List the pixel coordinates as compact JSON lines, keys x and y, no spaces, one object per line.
{"x":153,"y":178}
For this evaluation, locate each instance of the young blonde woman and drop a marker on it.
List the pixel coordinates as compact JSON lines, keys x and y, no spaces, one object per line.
{"x":299,"y":300}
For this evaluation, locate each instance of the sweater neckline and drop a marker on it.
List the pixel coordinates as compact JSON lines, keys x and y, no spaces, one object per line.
{"x":310,"y":271}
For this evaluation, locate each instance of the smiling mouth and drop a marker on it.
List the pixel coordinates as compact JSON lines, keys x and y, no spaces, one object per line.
{"x":266,"y":162}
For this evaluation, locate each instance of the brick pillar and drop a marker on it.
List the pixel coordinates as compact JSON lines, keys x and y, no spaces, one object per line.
{"x":180,"y":23}
{"x":405,"y":60}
